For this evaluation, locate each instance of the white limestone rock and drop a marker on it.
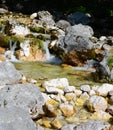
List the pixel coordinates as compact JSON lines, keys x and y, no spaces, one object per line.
{"x":96,"y":103}
{"x":104,"y":89}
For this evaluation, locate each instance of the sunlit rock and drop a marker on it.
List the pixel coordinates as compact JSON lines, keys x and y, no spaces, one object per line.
{"x":100,"y":115}
{"x":96,"y":103}
{"x":85,"y":88}
{"x":59,"y":83}
{"x":104,"y":89}
{"x":57,"y":124}
{"x":67,"y":110}
{"x":93,"y":125}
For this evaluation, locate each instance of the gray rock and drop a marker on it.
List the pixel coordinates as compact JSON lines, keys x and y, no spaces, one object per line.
{"x":8,"y":74}
{"x":93,"y":125}
{"x":68,"y":127}
{"x":14,"y":118}
{"x":85,"y":88}
{"x":63,"y":24}
{"x":96,"y":103}
{"x":46,"y":18}
{"x":75,"y":47}
{"x":80,"y":30}
{"x":26,"y":96}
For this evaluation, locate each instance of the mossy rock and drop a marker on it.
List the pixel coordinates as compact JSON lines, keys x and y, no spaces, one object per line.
{"x":37,"y":43}
{"x":37,"y":29}
{"x":5,"y":39}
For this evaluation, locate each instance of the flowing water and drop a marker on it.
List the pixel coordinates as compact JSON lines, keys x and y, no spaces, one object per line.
{"x":43,"y":71}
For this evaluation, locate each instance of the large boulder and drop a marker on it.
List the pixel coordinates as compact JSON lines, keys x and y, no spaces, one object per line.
{"x":25,"y":96}
{"x":15,"y":118}
{"x":76,"y":46}
{"x":8,"y":74}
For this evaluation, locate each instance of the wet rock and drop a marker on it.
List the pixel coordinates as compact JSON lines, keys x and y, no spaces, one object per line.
{"x":14,"y":118}
{"x":96,"y":103}
{"x":26,"y":96}
{"x":93,"y":125}
{"x":104,"y":89}
{"x":9,"y":75}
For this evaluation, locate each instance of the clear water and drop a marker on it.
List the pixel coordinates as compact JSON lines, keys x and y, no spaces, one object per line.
{"x":43,"y":71}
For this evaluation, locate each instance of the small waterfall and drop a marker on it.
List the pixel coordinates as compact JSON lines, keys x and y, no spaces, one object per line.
{"x":9,"y":54}
{"x":50,"y":58}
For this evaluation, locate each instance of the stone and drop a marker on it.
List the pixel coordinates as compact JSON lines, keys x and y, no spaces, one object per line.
{"x":58,"y":83}
{"x":68,"y":127}
{"x":8,"y":74}
{"x":110,"y":110}
{"x":45,"y":18}
{"x":93,"y":125}
{"x":100,"y":115}
{"x":26,"y":96}
{"x":95,"y":103}
{"x":67,"y":110}
{"x":54,"y":90}
{"x":57,"y":124}
{"x":84,"y":96}
{"x":76,"y":46}
{"x":104,"y":89}
{"x":63,"y":24}
{"x":85,"y":88}
{"x":70,"y":96}
{"x":92,"y":92}
{"x":14,"y":118}
{"x":68,"y":89}
{"x":78,"y":92}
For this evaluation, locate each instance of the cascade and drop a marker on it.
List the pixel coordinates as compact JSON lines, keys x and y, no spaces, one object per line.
{"x":9,"y":54}
{"x":50,"y":58}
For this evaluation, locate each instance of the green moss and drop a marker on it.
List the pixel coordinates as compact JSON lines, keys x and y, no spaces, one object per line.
{"x":37,"y":43}
{"x":37,"y":29}
{"x":110,"y":61}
